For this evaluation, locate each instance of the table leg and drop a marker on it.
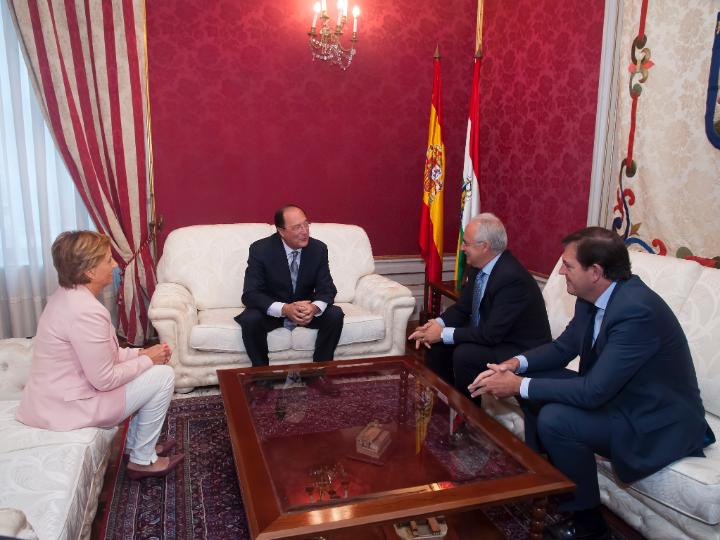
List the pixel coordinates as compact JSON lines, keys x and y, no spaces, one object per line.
{"x":435,"y":303}
{"x":537,"y":525}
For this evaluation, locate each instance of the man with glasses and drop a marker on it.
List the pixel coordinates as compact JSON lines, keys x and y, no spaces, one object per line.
{"x":500,"y":311}
{"x":288,"y":283}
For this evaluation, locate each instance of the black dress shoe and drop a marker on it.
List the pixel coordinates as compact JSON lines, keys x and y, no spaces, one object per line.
{"x":565,"y":530}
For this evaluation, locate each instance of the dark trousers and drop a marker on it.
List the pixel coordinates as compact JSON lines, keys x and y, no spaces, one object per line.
{"x":460,"y":364}
{"x":255,"y":327}
{"x":571,"y":437}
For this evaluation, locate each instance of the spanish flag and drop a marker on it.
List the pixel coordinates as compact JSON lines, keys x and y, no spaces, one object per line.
{"x":431,"y":219}
{"x":470,"y":197}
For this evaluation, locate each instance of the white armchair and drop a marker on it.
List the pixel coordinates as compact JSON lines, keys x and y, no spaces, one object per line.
{"x":200,"y":284}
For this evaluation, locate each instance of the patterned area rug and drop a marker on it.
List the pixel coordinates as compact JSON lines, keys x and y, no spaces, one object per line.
{"x":201,"y":500}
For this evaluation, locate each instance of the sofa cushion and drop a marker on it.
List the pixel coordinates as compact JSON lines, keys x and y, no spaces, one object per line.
{"x":359,"y":326}
{"x":16,"y":436}
{"x":217,"y":331}
{"x":690,"y":486}
{"x":49,"y":475}
{"x":51,"y":485}
{"x":700,"y":318}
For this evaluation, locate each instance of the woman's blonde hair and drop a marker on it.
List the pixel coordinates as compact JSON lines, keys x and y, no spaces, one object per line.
{"x":76,"y":252}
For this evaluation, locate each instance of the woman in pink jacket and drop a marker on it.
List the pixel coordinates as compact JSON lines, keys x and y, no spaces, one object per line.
{"x":80,"y":377}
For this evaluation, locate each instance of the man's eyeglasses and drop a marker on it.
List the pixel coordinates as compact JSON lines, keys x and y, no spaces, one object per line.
{"x":299,"y":226}
{"x":465,"y":243}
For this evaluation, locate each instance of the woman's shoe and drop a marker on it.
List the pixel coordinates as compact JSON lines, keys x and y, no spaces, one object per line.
{"x":173,"y":462}
{"x":163,"y":448}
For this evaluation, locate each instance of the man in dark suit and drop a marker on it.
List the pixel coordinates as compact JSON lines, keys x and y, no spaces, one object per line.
{"x":500,"y":311}
{"x":288,"y":283}
{"x":635,"y":399}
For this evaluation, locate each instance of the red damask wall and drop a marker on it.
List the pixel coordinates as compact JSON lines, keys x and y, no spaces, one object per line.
{"x":243,"y":120}
{"x":539,"y":94}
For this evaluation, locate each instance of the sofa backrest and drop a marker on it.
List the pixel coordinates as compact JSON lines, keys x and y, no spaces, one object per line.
{"x":210,"y":260}
{"x":691,"y":291}
{"x":700,"y":318}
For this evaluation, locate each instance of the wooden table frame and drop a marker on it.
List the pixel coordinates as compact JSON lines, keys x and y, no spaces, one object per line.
{"x":268,"y":521}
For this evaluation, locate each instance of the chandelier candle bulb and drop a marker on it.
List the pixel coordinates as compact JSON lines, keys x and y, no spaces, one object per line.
{"x":316,"y":9}
{"x":324,"y":8}
{"x":356,"y":16}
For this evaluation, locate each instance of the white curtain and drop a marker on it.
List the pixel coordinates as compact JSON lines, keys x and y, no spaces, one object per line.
{"x":38,"y":199}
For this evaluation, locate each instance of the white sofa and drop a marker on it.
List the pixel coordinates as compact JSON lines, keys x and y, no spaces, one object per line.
{"x":200,"y":285}
{"x":682,"y":500}
{"x":49,"y":481}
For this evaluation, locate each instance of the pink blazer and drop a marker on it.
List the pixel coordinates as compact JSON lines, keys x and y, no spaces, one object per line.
{"x":78,"y":373}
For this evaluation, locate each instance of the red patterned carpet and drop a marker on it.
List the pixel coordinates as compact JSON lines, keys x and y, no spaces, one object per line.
{"x":201,"y":500}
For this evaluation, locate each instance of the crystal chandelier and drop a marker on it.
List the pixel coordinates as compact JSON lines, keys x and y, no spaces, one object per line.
{"x":325,"y":44}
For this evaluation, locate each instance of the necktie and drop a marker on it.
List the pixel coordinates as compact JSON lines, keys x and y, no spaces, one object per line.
{"x":477,"y":297}
{"x":294,"y":267}
{"x":588,"y":355}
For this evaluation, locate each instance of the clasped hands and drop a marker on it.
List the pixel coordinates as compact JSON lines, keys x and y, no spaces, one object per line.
{"x":498,"y":380}
{"x":427,"y":334}
{"x":159,"y":354}
{"x":300,"y":312}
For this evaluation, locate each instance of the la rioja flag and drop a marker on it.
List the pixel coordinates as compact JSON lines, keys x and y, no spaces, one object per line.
{"x":470,"y":196}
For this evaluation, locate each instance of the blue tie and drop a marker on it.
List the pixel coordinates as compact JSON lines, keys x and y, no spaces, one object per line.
{"x":477,"y":297}
{"x":294,"y":267}
{"x":588,"y":355}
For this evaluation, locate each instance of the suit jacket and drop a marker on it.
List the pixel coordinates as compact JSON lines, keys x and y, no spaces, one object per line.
{"x":267,"y":277}
{"x":643,"y":377}
{"x":78,"y":372}
{"x":512,"y":311}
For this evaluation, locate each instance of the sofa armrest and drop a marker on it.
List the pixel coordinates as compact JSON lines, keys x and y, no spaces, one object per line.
{"x":377,"y":294}
{"x":14,"y":524}
{"x":393,"y":301}
{"x":173,"y":313}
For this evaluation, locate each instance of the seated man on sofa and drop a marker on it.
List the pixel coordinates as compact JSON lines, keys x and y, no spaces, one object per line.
{"x":635,"y":399}
{"x":288,"y":283}
{"x":500,"y":311}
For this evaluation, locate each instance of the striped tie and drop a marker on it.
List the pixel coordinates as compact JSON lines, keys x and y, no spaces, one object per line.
{"x":294,"y":267}
{"x":477,"y":297}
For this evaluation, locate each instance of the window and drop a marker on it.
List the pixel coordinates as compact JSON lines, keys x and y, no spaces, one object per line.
{"x":38,"y":199}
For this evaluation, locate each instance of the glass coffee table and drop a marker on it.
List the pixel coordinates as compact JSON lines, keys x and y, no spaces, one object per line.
{"x":359,"y":448}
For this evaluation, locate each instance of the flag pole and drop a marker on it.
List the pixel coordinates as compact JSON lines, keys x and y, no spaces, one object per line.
{"x":470,"y":197}
{"x":478,"y":29}
{"x":431,"y":218}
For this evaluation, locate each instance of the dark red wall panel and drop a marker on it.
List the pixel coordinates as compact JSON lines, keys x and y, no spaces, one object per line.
{"x":539,"y":94}
{"x":243,"y":120}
